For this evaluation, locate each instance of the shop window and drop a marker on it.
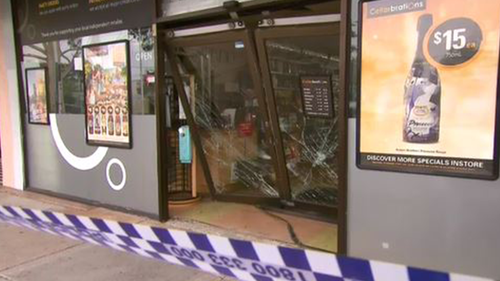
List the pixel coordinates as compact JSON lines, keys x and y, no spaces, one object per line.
{"x":63,"y":60}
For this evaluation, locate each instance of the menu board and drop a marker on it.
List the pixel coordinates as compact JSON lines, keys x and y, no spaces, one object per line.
{"x":428,"y":100}
{"x":107,"y":94}
{"x":317,"y":96}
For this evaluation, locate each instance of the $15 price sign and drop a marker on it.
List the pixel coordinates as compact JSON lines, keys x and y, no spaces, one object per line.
{"x":455,"y":41}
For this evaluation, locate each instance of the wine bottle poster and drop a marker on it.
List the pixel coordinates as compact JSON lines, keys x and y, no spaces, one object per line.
{"x":428,"y":95}
{"x":107,"y":94}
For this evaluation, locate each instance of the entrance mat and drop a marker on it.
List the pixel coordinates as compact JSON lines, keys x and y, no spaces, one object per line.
{"x":243,"y":260}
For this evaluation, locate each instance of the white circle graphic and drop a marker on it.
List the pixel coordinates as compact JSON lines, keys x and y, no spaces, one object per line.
{"x":80,"y":163}
{"x":124,"y":174}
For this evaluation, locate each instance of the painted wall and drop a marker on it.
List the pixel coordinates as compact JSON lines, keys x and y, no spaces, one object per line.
{"x":52,"y":169}
{"x":433,"y":222}
{"x":10,"y":124}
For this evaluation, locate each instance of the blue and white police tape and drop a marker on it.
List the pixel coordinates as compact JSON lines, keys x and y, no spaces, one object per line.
{"x":243,"y":260}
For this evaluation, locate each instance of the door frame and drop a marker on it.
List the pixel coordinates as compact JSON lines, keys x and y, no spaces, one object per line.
{"x":203,"y":39}
{"x":344,"y":60}
{"x":253,"y":39}
{"x":297,"y":31}
{"x":342,"y":29}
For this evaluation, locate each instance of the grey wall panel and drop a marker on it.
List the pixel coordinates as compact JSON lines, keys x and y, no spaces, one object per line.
{"x":434,"y":222}
{"x":48,"y":170}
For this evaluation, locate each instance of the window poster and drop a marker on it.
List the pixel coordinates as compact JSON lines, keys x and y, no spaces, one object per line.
{"x":52,"y":20}
{"x":37,"y":96}
{"x":107,"y":94}
{"x":429,"y":87}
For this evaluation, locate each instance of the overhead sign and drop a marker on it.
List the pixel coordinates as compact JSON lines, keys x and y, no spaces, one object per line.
{"x":49,"y":20}
{"x":429,"y":88}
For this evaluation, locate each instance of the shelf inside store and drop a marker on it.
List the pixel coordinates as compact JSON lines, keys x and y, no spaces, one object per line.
{"x":285,"y":89}
{"x":284,"y":73}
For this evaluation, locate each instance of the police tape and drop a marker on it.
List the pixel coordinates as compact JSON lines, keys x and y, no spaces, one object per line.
{"x":243,"y":260}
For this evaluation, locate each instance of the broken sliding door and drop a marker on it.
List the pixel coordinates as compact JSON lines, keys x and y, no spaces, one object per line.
{"x":301,"y":68}
{"x":225,"y":106}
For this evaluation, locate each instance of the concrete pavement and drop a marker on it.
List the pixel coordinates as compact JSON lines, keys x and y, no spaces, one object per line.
{"x":27,"y":255}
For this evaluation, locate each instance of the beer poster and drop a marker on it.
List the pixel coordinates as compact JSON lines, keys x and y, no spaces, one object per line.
{"x":107,"y":94}
{"x":428,"y":100}
{"x":37,"y":97}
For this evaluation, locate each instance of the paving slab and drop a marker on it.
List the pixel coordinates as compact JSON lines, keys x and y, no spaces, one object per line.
{"x":20,"y":245}
{"x":83,"y":261}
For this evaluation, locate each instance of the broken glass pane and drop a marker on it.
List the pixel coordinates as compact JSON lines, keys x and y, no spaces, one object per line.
{"x":310,"y":143}
{"x":231,"y":127}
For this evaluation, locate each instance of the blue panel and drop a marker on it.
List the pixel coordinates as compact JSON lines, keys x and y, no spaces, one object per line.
{"x":12,"y":211}
{"x":201,"y":242}
{"x":101,"y":225}
{"x":224,"y":271}
{"x":185,"y":151}
{"x":53,"y":218}
{"x":426,"y":275}
{"x":164,"y":235}
{"x":128,"y":241}
{"x":76,"y":222}
{"x":244,"y":249}
{"x":130,"y":230}
{"x":295,"y":258}
{"x":31,"y":214}
{"x":355,"y":269}
{"x":160,"y":248}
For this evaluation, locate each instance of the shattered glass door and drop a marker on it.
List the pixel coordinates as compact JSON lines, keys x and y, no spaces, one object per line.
{"x":310,"y":143}
{"x":225,"y":108}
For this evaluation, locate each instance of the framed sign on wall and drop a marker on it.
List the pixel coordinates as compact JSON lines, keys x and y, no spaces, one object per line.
{"x":107,"y":94}
{"x":428,"y":95}
{"x":37,"y":96}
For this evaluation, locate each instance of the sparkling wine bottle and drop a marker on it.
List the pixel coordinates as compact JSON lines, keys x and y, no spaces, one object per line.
{"x":111,"y":123}
{"x":422,"y":96}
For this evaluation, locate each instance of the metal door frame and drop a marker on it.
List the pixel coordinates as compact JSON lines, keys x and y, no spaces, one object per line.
{"x":289,"y":30}
{"x":340,"y":213}
{"x":222,"y":34}
{"x":286,"y":28}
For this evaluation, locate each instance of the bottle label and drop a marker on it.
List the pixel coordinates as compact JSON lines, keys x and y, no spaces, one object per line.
{"x":422,"y":114}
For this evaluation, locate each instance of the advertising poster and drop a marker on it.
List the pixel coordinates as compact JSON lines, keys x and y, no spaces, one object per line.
{"x":107,"y":96}
{"x":429,"y":87}
{"x":36,"y":87}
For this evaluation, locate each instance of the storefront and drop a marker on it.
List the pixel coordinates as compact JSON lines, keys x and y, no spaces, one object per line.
{"x":255,"y":88}
{"x":283,"y":104}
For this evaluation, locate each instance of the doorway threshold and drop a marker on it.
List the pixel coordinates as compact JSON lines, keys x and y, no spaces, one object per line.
{"x":260,"y":222}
